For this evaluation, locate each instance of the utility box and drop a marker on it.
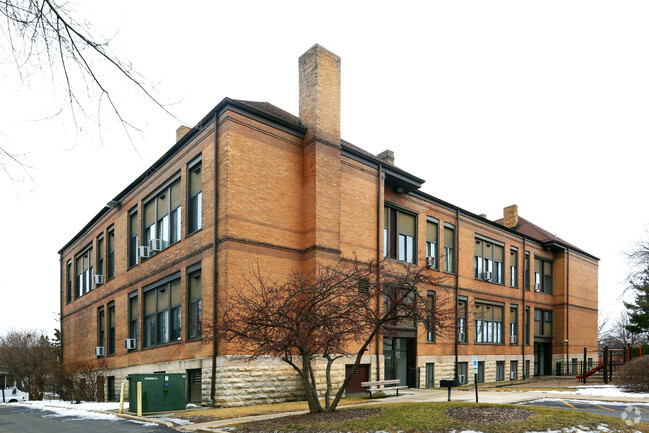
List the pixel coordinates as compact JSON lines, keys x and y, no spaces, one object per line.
{"x":160,"y":392}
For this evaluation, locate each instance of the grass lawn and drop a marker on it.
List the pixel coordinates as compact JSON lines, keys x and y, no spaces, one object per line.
{"x":431,"y":417}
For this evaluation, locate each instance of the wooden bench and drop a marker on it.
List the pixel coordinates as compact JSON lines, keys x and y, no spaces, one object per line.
{"x":383,"y":385}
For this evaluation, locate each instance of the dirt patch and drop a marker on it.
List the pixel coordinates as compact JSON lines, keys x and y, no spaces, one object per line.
{"x":312,"y":419}
{"x":484,"y":415}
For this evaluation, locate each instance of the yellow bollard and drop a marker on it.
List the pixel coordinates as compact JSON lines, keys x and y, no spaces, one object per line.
{"x":139,"y":399}
{"x":121,"y":398}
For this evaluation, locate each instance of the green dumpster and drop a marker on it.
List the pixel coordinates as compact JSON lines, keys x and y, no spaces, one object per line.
{"x":160,"y":392}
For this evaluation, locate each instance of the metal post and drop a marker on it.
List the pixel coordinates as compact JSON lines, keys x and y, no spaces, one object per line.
{"x":475,"y":381}
{"x":606,"y":366}
{"x":121,"y":398}
{"x":449,"y":393}
{"x":584,"y":366}
{"x":610,"y":363}
{"x":139,"y":399}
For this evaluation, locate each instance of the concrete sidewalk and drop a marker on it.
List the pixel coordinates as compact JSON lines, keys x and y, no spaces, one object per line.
{"x":422,"y":396}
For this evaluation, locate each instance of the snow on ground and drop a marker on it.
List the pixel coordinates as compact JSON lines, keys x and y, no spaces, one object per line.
{"x":599,"y":391}
{"x":177,"y":421}
{"x":85,"y":410}
{"x":587,"y":401}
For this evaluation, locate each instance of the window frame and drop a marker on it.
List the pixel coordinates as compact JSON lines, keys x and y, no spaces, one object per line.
{"x":191,"y":167}
{"x":192,"y":271}
{"x":430,"y":322}
{"x":462,"y":322}
{"x":83,"y":282}
{"x":432,"y":248}
{"x":449,"y":252}
{"x":133,"y":237}
{"x":392,"y":237}
{"x":513,"y":326}
{"x":513,"y":267}
{"x":163,"y":225}
{"x":485,"y":260}
{"x":545,"y":285}
{"x":110,"y":349}
{"x":110,"y":253}
{"x":101,"y":329}
{"x":100,"y":255}
{"x":489,"y":331}
{"x":133,"y":324}
{"x":151,"y":327}
{"x":68,"y":289}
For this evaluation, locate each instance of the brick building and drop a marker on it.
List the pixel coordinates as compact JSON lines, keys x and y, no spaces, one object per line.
{"x":251,"y":183}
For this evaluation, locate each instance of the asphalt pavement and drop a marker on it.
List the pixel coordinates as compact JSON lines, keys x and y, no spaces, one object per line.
{"x":630,"y":412}
{"x":23,"y":419}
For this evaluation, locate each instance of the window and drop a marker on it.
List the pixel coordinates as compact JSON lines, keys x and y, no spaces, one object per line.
{"x":527,"y":270}
{"x":513,"y":324}
{"x":513,"y":370}
{"x":110,"y":262}
{"x":195,"y":202}
{"x":542,"y":276}
{"x":162,"y":216}
{"x":101,"y":336}
{"x":194,"y":304}
{"x":133,"y":314}
{"x":527,"y":369}
{"x":430,"y":375}
{"x":542,"y":323}
{"x":462,"y":372}
{"x":430,"y":325}
{"x":100,"y":255}
{"x":513,"y":267}
{"x":527,"y":325}
{"x":500,"y":371}
{"x":111,"y":329}
{"x":68,"y":276}
{"x":84,"y":273}
{"x":488,"y":261}
{"x":162,"y":313}
{"x":449,"y":248}
{"x":488,"y":323}
{"x":132,"y":237}
{"x":110,"y":384}
{"x":461,"y":320}
{"x":399,"y":235}
{"x":480,"y":372}
{"x":431,"y":242}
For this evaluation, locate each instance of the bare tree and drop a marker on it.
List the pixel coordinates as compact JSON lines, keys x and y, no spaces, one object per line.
{"x":80,"y":381}
{"x":28,"y":356}
{"x":44,"y":36}
{"x":327,"y":315}
{"x":618,"y":334}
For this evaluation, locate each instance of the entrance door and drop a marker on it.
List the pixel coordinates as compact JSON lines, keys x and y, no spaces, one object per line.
{"x":194,"y":386}
{"x":542,"y":359}
{"x":361,"y":374}
{"x":401,"y":360}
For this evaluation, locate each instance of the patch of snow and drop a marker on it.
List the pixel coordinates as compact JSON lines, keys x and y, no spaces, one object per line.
{"x":177,"y":421}
{"x":598,"y":391}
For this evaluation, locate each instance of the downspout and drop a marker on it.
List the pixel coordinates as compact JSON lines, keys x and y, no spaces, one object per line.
{"x":526,"y":317}
{"x":215,"y":203}
{"x":61,"y":283}
{"x":379,"y":233}
{"x":567,"y":305}
{"x":457,"y":286}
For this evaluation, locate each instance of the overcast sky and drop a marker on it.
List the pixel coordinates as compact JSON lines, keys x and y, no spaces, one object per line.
{"x":541,"y":104}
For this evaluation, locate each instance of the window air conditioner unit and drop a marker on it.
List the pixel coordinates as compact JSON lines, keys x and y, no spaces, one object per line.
{"x":99,"y":351}
{"x":155,"y":245}
{"x":537,"y":287}
{"x":461,"y":378}
{"x":514,"y":339}
{"x":98,"y":279}
{"x":142,"y":252}
{"x":486,"y":276}
{"x":130,"y":344}
{"x":512,"y":375}
{"x":430,"y":262}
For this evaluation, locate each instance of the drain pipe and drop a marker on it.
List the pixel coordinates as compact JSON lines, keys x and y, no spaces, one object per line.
{"x":215,"y":203}
{"x":457,"y":287}
{"x":526,"y":285}
{"x":379,"y":233}
{"x":568,"y":306}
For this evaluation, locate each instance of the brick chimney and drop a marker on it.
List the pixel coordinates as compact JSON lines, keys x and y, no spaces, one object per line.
{"x":386,"y":156}
{"x":320,"y":112}
{"x":510,"y":218}
{"x":181,"y":132}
